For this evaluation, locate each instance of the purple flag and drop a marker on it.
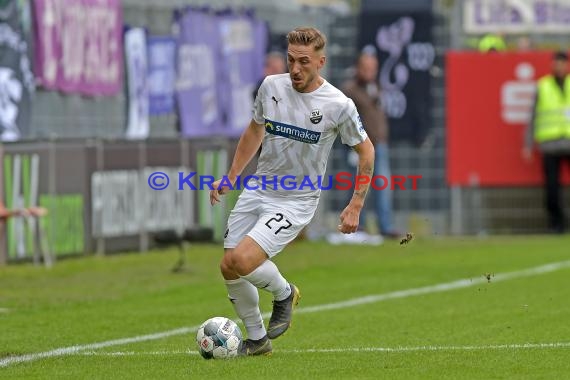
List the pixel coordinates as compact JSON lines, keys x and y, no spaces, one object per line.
{"x":244,"y":40}
{"x":78,"y":45}
{"x":198,"y":68}
{"x":161,"y":74}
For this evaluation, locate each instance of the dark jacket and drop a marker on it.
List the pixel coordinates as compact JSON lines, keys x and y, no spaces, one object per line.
{"x":370,"y":109}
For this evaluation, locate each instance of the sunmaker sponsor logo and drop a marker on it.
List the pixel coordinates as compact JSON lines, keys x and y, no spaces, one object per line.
{"x":292,"y":132}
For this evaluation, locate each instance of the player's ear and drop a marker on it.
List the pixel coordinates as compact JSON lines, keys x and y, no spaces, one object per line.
{"x":322,"y":61}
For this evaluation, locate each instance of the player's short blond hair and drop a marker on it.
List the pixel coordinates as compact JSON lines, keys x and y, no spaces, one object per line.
{"x":307,"y":37}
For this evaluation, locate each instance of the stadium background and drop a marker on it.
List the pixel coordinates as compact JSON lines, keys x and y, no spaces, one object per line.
{"x":74,"y":156}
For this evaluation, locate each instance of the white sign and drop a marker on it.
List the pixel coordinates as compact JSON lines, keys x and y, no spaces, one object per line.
{"x":516,"y":16}
{"x":124,"y":204}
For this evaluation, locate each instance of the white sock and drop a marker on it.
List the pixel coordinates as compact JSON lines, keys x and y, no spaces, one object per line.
{"x":267,"y":277}
{"x":245,"y":299}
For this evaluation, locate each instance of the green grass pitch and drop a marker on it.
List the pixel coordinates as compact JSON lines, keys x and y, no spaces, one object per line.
{"x":419,"y":321}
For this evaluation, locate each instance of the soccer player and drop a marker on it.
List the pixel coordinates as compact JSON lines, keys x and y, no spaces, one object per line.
{"x":296,"y":118}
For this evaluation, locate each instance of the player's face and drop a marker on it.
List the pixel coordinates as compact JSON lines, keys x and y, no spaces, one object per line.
{"x":304,"y":64}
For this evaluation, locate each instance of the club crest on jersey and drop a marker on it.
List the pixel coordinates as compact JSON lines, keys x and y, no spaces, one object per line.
{"x":316,"y":116}
{"x":292,"y":132}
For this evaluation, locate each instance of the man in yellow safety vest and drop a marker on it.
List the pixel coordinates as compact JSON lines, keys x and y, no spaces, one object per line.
{"x":492,"y":43}
{"x":549,"y":127}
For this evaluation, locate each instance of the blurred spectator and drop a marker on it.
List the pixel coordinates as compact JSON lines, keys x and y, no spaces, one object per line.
{"x":274,"y":64}
{"x":6,"y":214}
{"x":29,"y":212}
{"x":365,"y":91}
{"x":492,"y":42}
{"x":524,"y":43}
{"x":549,"y":127}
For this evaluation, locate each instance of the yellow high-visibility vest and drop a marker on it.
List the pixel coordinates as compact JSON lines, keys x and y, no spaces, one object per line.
{"x":552,"y":119}
{"x":492,"y":41}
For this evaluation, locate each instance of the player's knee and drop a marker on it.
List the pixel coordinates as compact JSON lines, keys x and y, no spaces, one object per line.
{"x":238,"y":261}
{"x":241,"y":262}
{"x":226,"y":266}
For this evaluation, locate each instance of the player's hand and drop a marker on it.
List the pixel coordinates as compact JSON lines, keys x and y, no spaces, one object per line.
{"x":35,"y":211}
{"x":349,"y":220}
{"x":527,"y":154}
{"x":218,"y":190}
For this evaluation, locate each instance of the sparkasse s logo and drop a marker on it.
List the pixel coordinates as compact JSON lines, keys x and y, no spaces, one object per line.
{"x":517,"y":96}
{"x":292,"y":132}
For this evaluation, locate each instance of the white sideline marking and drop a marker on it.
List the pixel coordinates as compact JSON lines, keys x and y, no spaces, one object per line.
{"x":464,"y":283}
{"x":94,"y":346}
{"x":134,"y":353}
{"x":355,"y":349}
{"x":4,"y":310}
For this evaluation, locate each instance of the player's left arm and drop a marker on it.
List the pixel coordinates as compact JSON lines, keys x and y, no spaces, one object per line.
{"x":353,"y":133}
{"x":365,"y":151}
{"x":351,"y":214}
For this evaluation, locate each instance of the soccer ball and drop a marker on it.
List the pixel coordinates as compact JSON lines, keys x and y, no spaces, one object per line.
{"x":218,"y":338}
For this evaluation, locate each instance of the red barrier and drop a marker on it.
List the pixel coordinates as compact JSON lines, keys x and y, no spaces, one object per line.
{"x":489,"y":100}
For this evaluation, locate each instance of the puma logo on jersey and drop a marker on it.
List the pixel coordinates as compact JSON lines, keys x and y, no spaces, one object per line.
{"x":276,"y":100}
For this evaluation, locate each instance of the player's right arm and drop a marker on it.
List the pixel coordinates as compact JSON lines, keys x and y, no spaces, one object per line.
{"x":248,"y":145}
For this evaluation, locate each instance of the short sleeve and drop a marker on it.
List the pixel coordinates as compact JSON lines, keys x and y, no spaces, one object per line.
{"x":258,"y":105}
{"x":350,"y":127}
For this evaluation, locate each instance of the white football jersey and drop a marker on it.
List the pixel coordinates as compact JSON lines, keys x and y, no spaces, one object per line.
{"x":300,"y":129}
